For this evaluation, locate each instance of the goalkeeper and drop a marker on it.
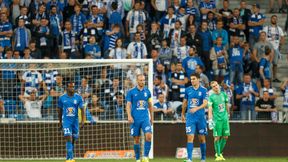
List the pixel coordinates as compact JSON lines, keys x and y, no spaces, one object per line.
{"x":218,"y":119}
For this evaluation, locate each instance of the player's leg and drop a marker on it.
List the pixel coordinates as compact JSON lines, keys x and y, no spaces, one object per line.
{"x":75,"y":135}
{"x":147,"y":129}
{"x":201,"y":128}
{"x":224,"y":138}
{"x":135,"y":132}
{"x":217,"y":133}
{"x":190,"y":131}
{"x":67,"y":130}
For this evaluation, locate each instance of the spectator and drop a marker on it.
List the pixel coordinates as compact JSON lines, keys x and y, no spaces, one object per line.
{"x":228,"y":88}
{"x":24,"y":15}
{"x":6,"y":31}
{"x":219,"y":57}
{"x":255,"y":24}
{"x":165,"y":53}
{"x":168,"y":22}
{"x":193,"y":38}
{"x":160,"y":6}
{"x":245,"y":13}
{"x":15,"y":10}
{"x":137,"y":49}
{"x":265,"y":108}
{"x":96,"y":108}
{"x":43,"y":36}
{"x":110,"y":39}
{"x":68,"y":39}
{"x":33,"y":104}
{"x":226,"y":14}
{"x":96,"y":22}
{"x":77,"y":20}
{"x":182,"y":17}
{"x":160,"y":88}
{"x":56,"y":24}
{"x":190,"y":62}
{"x":237,"y":25}
{"x":154,"y":37}
{"x":115,"y":5}
{"x":27,"y":53}
{"x":84,"y":90}
{"x":265,"y":66}
{"x":220,"y":32}
{"x":134,"y":17}
{"x":275,"y":36}
{"x":206,"y":45}
{"x":271,"y":90}
{"x":35,"y":52}
{"x":205,"y":7}
{"x":259,"y":52}
{"x":204,"y":81}
{"x":115,"y":17}
{"x":211,"y":21}
{"x":181,"y":51}
{"x":247,"y":61}
{"x":192,"y":10}
{"x":140,"y":29}
{"x":247,"y":91}
{"x":175,"y":35}
{"x":119,"y":106}
{"x":31,"y":81}
{"x":236,"y":54}
{"x":36,"y":18}
{"x":119,"y":52}
{"x":21,"y":36}
{"x":156,"y":60}
{"x":93,"y":49}
{"x":178,"y":81}
{"x":162,"y":110}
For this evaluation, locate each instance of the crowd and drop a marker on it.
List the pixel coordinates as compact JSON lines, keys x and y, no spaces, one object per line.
{"x":231,"y":46}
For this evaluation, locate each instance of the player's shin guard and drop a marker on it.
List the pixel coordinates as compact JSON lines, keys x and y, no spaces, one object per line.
{"x":222,"y":144}
{"x":217,"y":147}
{"x":147,"y":147}
{"x":203,"y":151}
{"x":69,"y":149}
{"x":189,"y":150}
{"x":137,"y":151}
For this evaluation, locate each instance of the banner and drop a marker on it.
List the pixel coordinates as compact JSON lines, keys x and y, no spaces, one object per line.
{"x":181,"y":153}
{"x":112,"y":154}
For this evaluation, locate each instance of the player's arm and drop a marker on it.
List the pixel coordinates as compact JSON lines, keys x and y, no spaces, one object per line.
{"x":60,"y":112}
{"x":184,"y":105}
{"x":81,"y":106}
{"x":128,"y":110}
{"x":150,"y":106}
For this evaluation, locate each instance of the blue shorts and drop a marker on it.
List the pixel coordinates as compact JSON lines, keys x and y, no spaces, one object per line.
{"x":135,"y":128}
{"x":196,"y":126}
{"x":71,"y":129}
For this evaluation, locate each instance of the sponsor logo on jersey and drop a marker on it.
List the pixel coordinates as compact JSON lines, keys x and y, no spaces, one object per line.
{"x":145,"y":94}
{"x":200,"y":94}
{"x":75,"y":101}
{"x":141,"y":104}
{"x":70,"y":111}
{"x":194,"y":102}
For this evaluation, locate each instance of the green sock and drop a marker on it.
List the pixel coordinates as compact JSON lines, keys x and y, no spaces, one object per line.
{"x":222,"y":144}
{"x":217,"y":147}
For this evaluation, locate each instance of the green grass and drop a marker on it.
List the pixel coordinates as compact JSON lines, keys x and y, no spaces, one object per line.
{"x":167,"y":160}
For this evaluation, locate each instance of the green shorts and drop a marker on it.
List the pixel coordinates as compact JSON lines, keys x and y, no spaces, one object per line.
{"x":221,"y":128}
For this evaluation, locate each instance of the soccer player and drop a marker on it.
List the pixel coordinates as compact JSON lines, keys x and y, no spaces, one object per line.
{"x":195,"y":101}
{"x":68,"y":105}
{"x":218,"y":119}
{"x":138,"y":102}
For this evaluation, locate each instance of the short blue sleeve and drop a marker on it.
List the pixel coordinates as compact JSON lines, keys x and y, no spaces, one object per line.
{"x":186,"y":94}
{"x":129,"y":97}
{"x":205,"y":95}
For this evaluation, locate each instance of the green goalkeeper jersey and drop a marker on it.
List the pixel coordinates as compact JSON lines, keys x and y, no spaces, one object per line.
{"x":218,"y":103}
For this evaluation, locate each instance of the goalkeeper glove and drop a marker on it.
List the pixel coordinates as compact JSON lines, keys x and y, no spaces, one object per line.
{"x":211,"y":124}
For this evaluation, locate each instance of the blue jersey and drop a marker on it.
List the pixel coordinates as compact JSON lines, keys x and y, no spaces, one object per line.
{"x":195,"y":98}
{"x":265,"y":65}
{"x":190,"y":63}
{"x":139,"y":103}
{"x":69,"y":106}
{"x":254,"y":30}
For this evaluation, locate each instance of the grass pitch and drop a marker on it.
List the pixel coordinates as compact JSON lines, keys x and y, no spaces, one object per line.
{"x":284,"y":159}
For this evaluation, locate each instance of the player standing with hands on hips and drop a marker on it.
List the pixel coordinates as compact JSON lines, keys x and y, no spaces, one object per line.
{"x":68,"y":105}
{"x":218,"y":119}
{"x":195,"y":101}
{"x":139,"y":105}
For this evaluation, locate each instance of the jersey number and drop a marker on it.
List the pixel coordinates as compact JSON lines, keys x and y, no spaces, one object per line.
{"x":66,"y":131}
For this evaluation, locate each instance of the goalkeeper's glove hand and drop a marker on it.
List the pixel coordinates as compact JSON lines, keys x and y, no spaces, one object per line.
{"x":211,"y":124}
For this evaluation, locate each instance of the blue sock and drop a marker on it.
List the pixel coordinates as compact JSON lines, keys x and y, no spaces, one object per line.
{"x":137,"y":151}
{"x":147,"y":147}
{"x":203,"y":151}
{"x":189,"y":150}
{"x":69,"y":150}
